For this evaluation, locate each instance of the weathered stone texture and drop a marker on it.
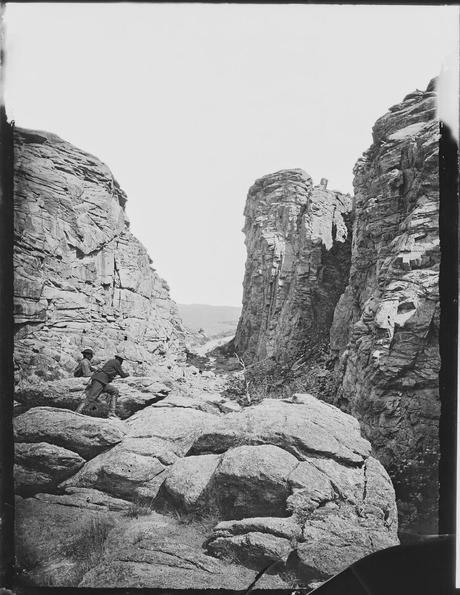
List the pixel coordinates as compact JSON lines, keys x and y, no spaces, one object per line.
{"x":80,"y":277}
{"x":87,"y":436}
{"x":297,"y":254}
{"x":292,"y":461}
{"x":385,"y":328}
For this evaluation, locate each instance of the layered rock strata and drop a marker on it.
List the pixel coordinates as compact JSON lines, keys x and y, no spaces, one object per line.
{"x":297,"y":266}
{"x":385,"y":328}
{"x":80,"y":277}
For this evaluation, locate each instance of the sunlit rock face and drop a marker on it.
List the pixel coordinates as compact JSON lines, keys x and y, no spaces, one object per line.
{"x":297,"y":265}
{"x":385,"y":329}
{"x":80,"y":277}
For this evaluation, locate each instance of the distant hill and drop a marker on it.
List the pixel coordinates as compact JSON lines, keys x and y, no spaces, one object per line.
{"x":214,"y":320}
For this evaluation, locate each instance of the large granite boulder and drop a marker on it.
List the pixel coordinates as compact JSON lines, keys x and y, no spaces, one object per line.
{"x":385,"y":329}
{"x":319,"y":539}
{"x":79,"y":433}
{"x":42,"y":466}
{"x":66,"y":393}
{"x":271,"y":467}
{"x":188,"y":481}
{"x":80,"y":277}
{"x":136,"y":468}
{"x":251,"y":480}
{"x":135,"y":393}
{"x":301,"y":427}
{"x":266,"y":477}
{"x":298,"y":251}
{"x":121,"y":473}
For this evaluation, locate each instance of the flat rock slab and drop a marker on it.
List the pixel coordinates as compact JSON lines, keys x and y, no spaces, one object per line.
{"x":87,"y":498}
{"x":200,"y":404}
{"x":308,"y":427}
{"x":84,"y":435}
{"x":177,"y":426}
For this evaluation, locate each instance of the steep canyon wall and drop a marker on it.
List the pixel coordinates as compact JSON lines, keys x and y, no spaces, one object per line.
{"x":386,"y":324}
{"x":80,"y":276}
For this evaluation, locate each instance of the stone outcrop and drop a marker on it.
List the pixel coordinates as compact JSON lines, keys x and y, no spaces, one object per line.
{"x":80,"y":277}
{"x":385,"y":329}
{"x":297,"y":266}
{"x":266,"y":478}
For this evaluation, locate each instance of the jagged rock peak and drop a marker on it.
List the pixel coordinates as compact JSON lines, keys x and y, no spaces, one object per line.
{"x":297,"y":243}
{"x":80,"y":277}
{"x":386,"y":324}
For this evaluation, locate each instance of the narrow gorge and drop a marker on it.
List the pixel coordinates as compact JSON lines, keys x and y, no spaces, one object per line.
{"x":212,"y":473}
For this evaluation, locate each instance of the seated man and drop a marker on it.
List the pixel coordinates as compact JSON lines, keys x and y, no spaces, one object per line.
{"x":100,"y":383}
{"x":84,"y":367}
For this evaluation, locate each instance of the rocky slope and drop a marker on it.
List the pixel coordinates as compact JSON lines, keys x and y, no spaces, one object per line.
{"x":80,"y":277}
{"x":386,"y":324}
{"x":297,"y":266}
{"x":200,"y":492}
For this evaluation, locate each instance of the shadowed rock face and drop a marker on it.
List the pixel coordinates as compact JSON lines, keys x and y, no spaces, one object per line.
{"x":81,"y":278}
{"x":296,"y":268}
{"x":385,"y":328}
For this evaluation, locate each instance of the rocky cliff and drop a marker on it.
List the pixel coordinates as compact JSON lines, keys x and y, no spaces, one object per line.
{"x":80,"y":277}
{"x":382,"y":333}
{"x":297,"y":266}
{"x":385,"y":328}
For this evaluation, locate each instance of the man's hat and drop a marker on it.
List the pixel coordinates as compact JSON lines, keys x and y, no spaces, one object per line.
{"x":87,"y":350}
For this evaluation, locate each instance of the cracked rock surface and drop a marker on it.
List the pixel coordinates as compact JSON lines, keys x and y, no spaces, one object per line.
{"x":385,"y":329}
{"x":80,"y":277}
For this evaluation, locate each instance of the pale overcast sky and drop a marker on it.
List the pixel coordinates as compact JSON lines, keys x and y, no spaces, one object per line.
{"x":189,"y":103}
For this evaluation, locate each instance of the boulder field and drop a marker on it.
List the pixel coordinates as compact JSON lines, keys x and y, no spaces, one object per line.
{"x":195,"y":491}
